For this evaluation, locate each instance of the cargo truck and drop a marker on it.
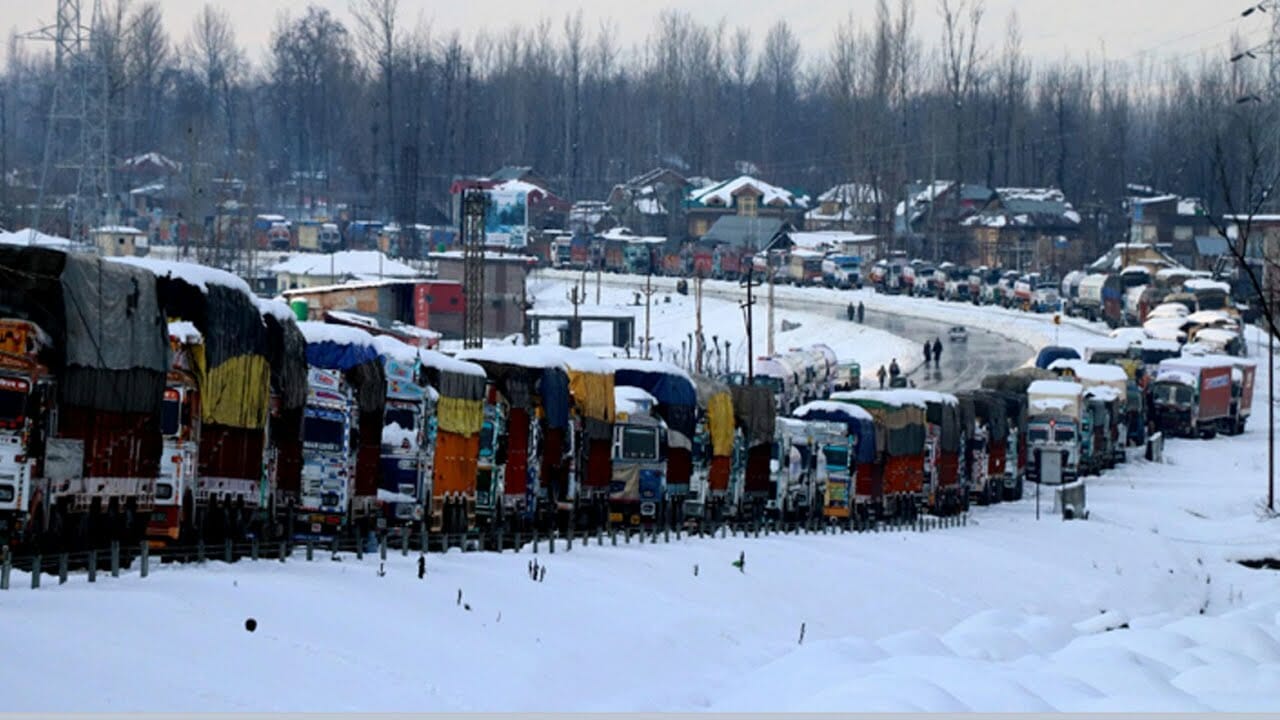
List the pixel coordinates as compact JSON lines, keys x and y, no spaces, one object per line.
{"x":1192,"y":396}
{"x":1054,"y":409}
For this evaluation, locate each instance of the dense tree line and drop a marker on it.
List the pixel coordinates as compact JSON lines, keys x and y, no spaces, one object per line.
{"x":383,"y":113}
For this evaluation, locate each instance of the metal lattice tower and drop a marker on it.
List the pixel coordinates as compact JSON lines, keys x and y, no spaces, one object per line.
{"x":474,"y":204}
{"x":78,"y":133}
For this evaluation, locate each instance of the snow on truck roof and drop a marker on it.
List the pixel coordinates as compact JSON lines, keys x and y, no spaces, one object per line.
{"x":1179,"y":377}
{"x":647,"y":366}
{"x":526,"y":356}
{"x":1194,"y":284}
{"x":277,"y":309}
{"x":319,"y":332}
{"x":1197,"y":362}
{"x":1094,"y":372}
{"x":201,"y":276}
{"x":403,"y":352}
{"x":833,"y":408}
{"x":896,"y":398}
{"x":1055,"y":388}
{"x":1103,"y":393}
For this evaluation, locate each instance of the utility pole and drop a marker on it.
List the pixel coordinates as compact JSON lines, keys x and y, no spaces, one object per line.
{"x":769,"y":334}
{"x":576,"y":298}
{"x":746,"y":307}
{"x":648,"y":304}
{"x":698,"y":342}
{"x":475,"y":202}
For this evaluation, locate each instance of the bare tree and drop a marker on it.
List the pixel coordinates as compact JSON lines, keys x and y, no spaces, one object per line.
{"x":376,"y":36}
{"x":961,"y":61}
{"x":149,"y":57}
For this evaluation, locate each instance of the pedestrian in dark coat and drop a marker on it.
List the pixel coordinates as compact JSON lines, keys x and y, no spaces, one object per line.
{"x":928,"y":352}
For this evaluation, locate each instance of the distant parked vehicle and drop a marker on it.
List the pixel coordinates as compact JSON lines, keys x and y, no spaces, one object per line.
{"x":958,"y":334}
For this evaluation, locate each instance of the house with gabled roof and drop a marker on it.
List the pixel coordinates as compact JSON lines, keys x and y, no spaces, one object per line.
{"x":651,"y":203}
{"x":744,"y":196}
{"x":1031,"y":229}
{"x":1169,"y":221}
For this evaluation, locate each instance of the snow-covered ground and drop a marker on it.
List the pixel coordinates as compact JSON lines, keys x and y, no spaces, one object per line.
{"x":673,"y":320}
{"x":1142,"y":607}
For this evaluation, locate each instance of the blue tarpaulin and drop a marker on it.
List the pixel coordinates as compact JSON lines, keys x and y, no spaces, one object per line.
{"x":330,"y":355}
{"x":676,"y":395}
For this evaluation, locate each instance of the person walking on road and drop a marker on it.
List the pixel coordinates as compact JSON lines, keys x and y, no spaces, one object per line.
{"x":928,"y":352}
{"x":851,"y":312}
{"x":861,"y":311}
{"x":880,"y":374}
{"x":894,"y":370}
{"x":937,"y":350}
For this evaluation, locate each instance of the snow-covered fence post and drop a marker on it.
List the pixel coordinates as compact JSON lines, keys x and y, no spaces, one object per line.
{"x":37,"y":564}
{"x":284,"y":552}
{"x":115,"y":558}
{"x":613,"y":536}
{"x":145,"y":568}
{"x":310,"y":552}
{"x":555,"y":535}
{"x":6,"y":566}
{"x":62,"y":568}
{"x":404,"y":543}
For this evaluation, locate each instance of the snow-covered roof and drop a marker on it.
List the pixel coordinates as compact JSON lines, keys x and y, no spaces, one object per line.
{"x":1055,"y":388}
{"x":1103,"y":393}
{"x":1092,"y":372}
{"x":649,"y":366}
{"x":828,"y":406}
{"x":117,"y":230}
{"x":1210,"y":317}
{"x":275,"y":308}
{"x":584,"y":361}
{"x":819,"y":239}
{"x":318,"y":332}
{"x":1173,"y":310}
{"x":898,"y":398}
{"x":1194,"y":284}
{"x":1196,"y":362}
{"x":1049,"y":405}
{"x":200,"y":276}
{"x":625,"y":235}
{"x":1173,"y":375}
{"x":364,"y":264}
{"x":151,"y":158}
{"x":527,"y":356}
{"x":851,"y":192}
{"x":722,"y":195}
{"x":1128,"y":335}
{"x":1157,"y":345}
{"x":1216,"y":336}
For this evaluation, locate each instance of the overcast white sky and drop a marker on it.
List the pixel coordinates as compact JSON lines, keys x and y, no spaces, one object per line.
{"x":1051,"y":28}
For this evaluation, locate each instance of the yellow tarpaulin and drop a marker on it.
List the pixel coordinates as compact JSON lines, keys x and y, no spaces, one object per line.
{"x":237,"y":392}
{"x":720,"y":423}
{"x":463,"y":417}
{"x":593,"y":394}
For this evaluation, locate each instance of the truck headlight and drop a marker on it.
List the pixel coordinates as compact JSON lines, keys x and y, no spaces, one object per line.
{"x":8,"y":493}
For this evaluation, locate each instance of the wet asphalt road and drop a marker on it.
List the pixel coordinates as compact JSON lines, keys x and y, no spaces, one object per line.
{"x":964,"y":364}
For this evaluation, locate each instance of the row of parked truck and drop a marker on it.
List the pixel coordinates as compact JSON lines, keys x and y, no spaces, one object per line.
{"x":142,"y":399}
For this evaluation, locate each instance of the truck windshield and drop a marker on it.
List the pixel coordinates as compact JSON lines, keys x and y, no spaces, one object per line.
{"x":486,"y":438}
{"x":837,"y":456}
{"x":406,"y":418}
{"x":1172,"y":394}
{"x":1038,"y":434}
{"x":170,"y":417}
{"x":639,"y":443}
{"x":1064,"y":435}
{"x":322,"y":432}
{"x":13,"y":406}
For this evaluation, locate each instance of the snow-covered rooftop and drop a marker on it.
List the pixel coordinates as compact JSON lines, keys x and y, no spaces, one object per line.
{"x":528,"y":356}
{"x":722,"y":195}
{"x":318,"y":332}
{"x":832,"y":407}
{"x":363,"y":264}
{"x":1055,"y":388}
{"x":1091,"y":372}
{"x":898,"y":398}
